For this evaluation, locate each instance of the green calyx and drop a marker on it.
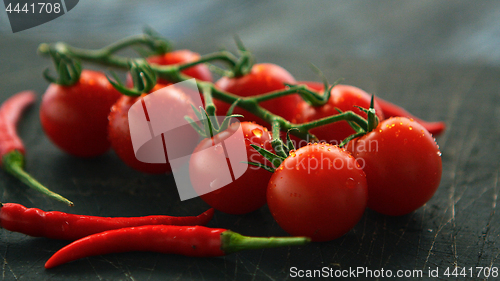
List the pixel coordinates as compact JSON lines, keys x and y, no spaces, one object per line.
{"x":68,"y":70}
{"x":246,"y":61}
{"x":282,"y":150}
{"x":143,"y":77}
{"x":372,"y":123}
{"x":210,"y":126}
{"x":157,"y":44}
{"x":13,"y":163}
{"x":232,"y":242}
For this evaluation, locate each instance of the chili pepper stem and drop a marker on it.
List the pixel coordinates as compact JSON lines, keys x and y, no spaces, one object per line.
{"x":232,"y":242}
{"x":13,"y":163}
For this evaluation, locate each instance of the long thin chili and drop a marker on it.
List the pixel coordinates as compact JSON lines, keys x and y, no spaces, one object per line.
{"x":11,"y":146}
{"x":195,"y":241}
{"x":391,"y":110}
{"x":59,"y":225}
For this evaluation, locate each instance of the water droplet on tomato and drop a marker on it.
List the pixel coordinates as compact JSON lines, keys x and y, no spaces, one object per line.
{"x":349,"y":182}
{"x":439,"y":153}
{"x":397,"y":133}
{"x":411,"y":119}
{"x":380,"y":130}
{"x":411,"y":128}
{"x":257,"y":132}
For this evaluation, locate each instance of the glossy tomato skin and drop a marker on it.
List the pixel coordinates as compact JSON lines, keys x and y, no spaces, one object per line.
{"x":75,"y":117}
{"x":319,"y":192}
{"x":263,"y":78}
{"x":402,"y":163}
{"x":119,"y":130}
{"x":200,"y":71}
{"x":343,"y":97}
{"x":246,"y":193}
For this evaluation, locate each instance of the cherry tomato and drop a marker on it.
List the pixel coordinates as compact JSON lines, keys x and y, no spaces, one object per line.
{"x":75,"y":117}
{"x":200,"y":71}
{"x":318,"y":191}
{"x":402,"y":163}
{"x":207,"y":168}
{"x":119,"y":131}
{"x":263,"y":78}
{"x":343,"y":97}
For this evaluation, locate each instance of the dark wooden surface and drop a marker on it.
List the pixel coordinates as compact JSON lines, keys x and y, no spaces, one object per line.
{"x":438,"y":59}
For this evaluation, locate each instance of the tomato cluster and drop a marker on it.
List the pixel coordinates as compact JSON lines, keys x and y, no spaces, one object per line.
{"x":319,"y":190}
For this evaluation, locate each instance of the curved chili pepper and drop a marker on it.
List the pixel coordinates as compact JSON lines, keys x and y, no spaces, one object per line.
{"x":58,"y":225}
{"x":391,"y":110}
{"x":11,"y":146}
{"x":195,"y":241}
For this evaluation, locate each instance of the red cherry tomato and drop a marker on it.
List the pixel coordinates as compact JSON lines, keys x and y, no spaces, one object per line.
{"x":263,"y":78}
{"x":119,"y":131}
{"x":402,"y":163}
{"x":319,"y":191}
{"x":200,"y":71}
{"x":343,"y":97}
{"x":244,"y":194}
{"x":75,"y":117}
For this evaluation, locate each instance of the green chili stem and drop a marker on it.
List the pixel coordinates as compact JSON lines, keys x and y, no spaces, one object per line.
{"x":234,"y":242}
{"x":13,"y":163}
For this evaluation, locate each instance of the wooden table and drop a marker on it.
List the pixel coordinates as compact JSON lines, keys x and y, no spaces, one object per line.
{"x":420,"y":56}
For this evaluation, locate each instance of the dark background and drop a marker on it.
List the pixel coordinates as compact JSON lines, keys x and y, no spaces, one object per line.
{"x":438,"y":59}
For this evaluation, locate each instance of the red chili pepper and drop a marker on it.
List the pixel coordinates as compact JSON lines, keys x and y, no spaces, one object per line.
{"x":58,"y":225}
{"x":392,"y":110}
{"x":195,"y":241}
{"x":11,"y":146}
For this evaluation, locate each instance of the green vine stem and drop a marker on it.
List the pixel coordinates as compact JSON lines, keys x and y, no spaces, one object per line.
{"x":173,"y":73}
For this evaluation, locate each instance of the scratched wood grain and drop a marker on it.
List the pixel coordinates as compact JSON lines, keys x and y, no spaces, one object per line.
{"x":434,"y":77}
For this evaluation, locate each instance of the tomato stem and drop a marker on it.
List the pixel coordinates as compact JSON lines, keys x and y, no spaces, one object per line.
{"x":13,"y":163}
{"x":276,"y":142}
{"x":173,"y":73}
{"x":225,"y":56}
